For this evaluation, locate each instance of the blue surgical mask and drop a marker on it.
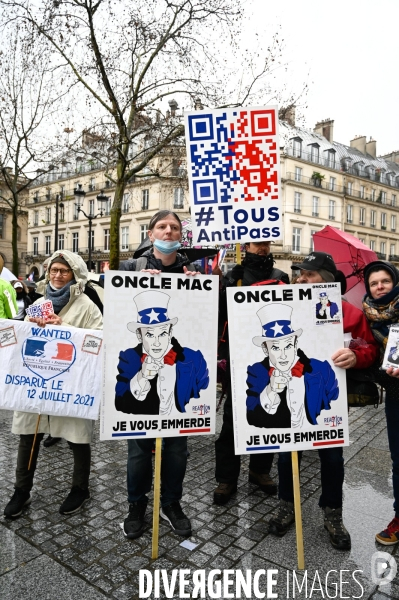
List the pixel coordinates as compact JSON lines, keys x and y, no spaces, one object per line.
{"x":166,"y":247}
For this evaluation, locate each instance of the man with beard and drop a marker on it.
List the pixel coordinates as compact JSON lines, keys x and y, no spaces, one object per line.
{"x":257,"y":266}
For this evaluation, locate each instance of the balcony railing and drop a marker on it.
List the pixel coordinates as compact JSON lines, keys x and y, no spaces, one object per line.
{"x":317,"y":183}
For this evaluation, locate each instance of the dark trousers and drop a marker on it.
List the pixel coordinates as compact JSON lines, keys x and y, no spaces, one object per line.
{"x":173,"y":469}
{"x":332,"y":476}
{"x":392,"y":416}
{"x":24,"y":478}
{"x":227,"y":463}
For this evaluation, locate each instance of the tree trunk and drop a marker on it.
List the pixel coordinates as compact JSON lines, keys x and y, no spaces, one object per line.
{"x":15,"y":261}
{"x":116,"y":212}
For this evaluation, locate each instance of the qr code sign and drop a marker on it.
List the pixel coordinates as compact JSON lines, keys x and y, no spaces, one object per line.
{"x":234,"y":173}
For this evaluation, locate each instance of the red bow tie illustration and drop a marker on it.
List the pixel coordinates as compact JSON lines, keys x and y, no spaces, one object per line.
{"x":296,"y":371}
{"x":168,"y":359}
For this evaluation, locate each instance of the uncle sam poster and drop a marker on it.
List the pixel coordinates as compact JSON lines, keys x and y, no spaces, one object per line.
{"x":160,"y":343}
{"x":50,"y":370}
{"x":287,"y":393}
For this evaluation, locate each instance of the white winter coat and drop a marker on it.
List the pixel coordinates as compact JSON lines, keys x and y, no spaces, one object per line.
{"x":79,"y":312}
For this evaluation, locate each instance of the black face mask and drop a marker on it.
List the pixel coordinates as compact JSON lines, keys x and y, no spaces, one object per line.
{"x":257,"y":261}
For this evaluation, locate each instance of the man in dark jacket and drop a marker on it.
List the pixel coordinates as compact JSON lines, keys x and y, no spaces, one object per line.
{"x":257,"y":266}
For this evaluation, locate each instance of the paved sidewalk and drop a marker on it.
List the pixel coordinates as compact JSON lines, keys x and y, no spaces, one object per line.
{"x":44,"y":555}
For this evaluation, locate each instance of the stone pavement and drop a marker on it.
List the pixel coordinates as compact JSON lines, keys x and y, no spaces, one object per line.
{"x":44,"y":555}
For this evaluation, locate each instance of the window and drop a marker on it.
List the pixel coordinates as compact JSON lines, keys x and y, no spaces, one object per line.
{"x":125,"y":238}
{"x":91,"y":207}
{"x":350,"y":188}
{"x":47,"y":243}
{"x":297,"y":202}
{"x":373,"y":218}
{"x":372,"y":245}
{"x":362,"y":240}
{"x":75,"y":212}
{"x":393,"y":200}
{"x":383,"y":220}
{"x":298,"y":174}
{"x":143,"y":232}
{"x":296,"y":239}
{"x":383,"y":248}
{"x":35,"y":246}
{"x":383,"y":197}
{"x":90,"y":243}
{"x":61,"y":240}
{"x":362,"y":189}
{"x":92,"y":184}
{"x":349,"y":213}
{"x":107,"y":208}
{"x":315,"y":206}
{"x":297,"y":147}
{"x":61,"y":212}
{"x":106,"y":239}
{"x":178,"y":197}
{"x":333,"y":181}
{"x":75,"y":242}
{"x":36,"y":197}
{"x":36,"y":218}
{"x":18,"y":233}
{"x":314,"y":154}
{"x":125,"y":203}
{"x":62,"y":192}
{"x":48,"y":215}
{"x":373,"y":195}
{"x":392,"y":249}
{"x":331,"y":210}
{"x":312,"y":232}
{"x":331,"y":159}
{"x":393,"y":222}
{"x":144,"y":199}
{"x":362,"y":218}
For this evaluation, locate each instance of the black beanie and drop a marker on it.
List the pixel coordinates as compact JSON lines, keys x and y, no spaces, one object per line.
{"x":380,"y":265}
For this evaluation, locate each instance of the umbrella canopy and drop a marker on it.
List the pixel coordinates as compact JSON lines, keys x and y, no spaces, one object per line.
{"x":350,"y":255}
{"x":7,"y":275}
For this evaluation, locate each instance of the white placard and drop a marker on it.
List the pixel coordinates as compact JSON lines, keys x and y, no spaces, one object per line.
{"x":391,"y":356}
{"x":160,"y":342}
{"x":287,"y":394}
{"x":234,"y":174}
{"x":51,"y":370}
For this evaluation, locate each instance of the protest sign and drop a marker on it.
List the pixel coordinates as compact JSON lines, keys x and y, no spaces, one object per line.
{"x":287,"y":394}
{"x":50,"y":370}
{"x":159,"y":355}
{"x":391,"y":356}
{"x":234,"y":174}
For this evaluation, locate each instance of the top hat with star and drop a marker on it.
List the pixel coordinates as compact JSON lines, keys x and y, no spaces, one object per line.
{"x":152,"y":310}
{"x":275,"y":328}
{"x":323,"y":294}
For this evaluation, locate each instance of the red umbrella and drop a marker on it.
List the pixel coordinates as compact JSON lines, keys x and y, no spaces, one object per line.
{"x":350,"y":255}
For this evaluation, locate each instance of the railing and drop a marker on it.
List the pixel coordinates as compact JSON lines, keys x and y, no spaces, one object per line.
{"x":394,"y":257}
{"x":317,"y":183}
{"x":381,"y":255}
{"x":296,"y":250}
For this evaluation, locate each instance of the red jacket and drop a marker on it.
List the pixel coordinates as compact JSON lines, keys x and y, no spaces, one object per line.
{"x":356,"y":323}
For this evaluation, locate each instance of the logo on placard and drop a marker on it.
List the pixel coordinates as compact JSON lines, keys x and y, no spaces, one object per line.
{"x":48,"y":358}
{"x":383,"y":568}
{"x":91,"y":344}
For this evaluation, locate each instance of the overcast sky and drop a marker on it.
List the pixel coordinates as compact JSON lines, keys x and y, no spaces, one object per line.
{"x":349,"y":48}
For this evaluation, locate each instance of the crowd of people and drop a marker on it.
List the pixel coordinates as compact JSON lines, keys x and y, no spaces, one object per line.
{"x":64,"y":283}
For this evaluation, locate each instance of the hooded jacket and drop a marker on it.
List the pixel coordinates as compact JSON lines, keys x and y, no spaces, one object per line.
{"x":80,"y":312}
{"x":8,"y":304}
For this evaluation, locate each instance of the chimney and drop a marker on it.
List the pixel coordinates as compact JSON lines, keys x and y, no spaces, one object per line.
{"x":287,"y":114}
{"x":326,"y":129}
{"x":359,"y":142}
{"x":371,"y":147}
{"x":173,"y":107}
{"x":392,"y":157}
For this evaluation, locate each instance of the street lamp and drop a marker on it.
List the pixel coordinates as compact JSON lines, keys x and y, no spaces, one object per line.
{"x":79,"y":194}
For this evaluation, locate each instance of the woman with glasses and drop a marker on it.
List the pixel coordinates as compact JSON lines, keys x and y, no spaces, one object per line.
{"x":64,"y":285}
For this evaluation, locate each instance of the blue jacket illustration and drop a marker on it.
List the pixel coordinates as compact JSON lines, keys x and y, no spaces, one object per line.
{"x":321,"y":387}
{"x":192,"y":376}
{"x":331,"y":306}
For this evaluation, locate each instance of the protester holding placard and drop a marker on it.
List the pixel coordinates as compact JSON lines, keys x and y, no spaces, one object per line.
{"x":319,"y":267}
{"x":165,"y":231}
{"x":8,"y":304}
{"x":23,"y":299}
{"x":63,"y":286}
{"x":257,"y":266}
{"x":381,"y":307}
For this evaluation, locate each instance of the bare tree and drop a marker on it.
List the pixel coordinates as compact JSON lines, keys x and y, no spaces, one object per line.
{"x":128,"y":57}
{"x":27,"y":102}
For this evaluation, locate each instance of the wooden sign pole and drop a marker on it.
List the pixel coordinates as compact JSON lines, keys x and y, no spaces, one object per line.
{"x":34,"y":442}
{"x":157,"y":494}
{"x":298,"y":511}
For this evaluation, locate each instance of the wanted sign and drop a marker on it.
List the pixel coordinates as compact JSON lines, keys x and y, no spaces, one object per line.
{"x":160,"y":355}
{"x":50,"y":370}
{"x":287,"y":394}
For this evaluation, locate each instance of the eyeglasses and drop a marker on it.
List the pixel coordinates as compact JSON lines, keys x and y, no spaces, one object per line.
{"x":62,"y":272}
